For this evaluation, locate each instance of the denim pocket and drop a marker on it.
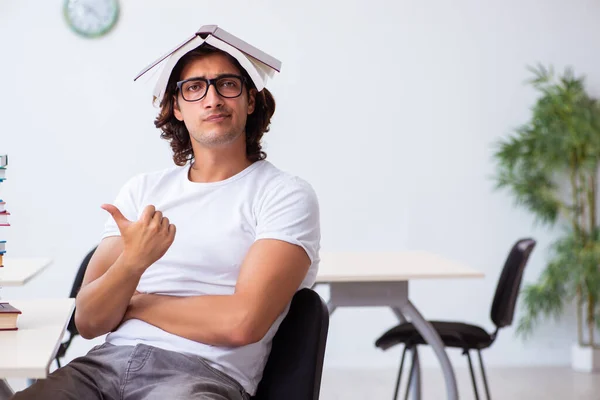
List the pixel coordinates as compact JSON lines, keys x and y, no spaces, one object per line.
{"x":223,"y":377}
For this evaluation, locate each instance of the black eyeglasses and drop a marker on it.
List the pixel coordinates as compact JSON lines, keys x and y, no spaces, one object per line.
{"x":195,"y":89}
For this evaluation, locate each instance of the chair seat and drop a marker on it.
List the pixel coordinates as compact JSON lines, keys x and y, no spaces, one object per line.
{"x":453,"y":334}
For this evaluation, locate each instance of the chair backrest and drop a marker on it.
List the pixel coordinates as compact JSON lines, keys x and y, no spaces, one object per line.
{"x":509,"y":284}
{"x":294,"y":367}
{"x":76,"y":286}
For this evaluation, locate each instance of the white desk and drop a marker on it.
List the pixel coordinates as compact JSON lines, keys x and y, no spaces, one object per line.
{"x":28,"y":351}
{"x":18,"y":271}
{"x":373,"y":279}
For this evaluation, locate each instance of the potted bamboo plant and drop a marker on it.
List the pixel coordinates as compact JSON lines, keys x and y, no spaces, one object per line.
{"x":550,"y":166}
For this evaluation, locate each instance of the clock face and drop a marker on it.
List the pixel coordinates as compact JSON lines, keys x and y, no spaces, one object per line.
{"x":91,"y":18}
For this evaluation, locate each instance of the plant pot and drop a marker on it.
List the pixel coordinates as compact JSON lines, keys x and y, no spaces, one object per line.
{"x":585,"y":359}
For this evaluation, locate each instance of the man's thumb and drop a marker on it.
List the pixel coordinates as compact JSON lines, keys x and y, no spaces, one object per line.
{"x":119,"y":218}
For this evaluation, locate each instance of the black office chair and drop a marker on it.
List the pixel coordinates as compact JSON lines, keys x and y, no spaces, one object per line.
{"x":295,"y":364}
{"x":71,"y":328}
{"x":466,"y":336}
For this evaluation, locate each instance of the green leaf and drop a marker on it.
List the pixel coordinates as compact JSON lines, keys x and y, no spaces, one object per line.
{"x":549,"y":165}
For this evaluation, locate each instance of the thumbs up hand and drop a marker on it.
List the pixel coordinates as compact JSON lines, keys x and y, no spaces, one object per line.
{"x":146,"y":240}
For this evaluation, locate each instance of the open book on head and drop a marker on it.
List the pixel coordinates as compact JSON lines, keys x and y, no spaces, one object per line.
{"x":259,"y":65}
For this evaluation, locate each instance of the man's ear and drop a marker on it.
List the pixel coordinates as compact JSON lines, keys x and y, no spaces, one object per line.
{"x":252,"y":100}
{"x":176,"y":110}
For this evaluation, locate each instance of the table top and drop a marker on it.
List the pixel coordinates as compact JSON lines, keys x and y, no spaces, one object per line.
{"x":28,"y":351}
{"x":350,"y":266}
{"x":18,"y":271}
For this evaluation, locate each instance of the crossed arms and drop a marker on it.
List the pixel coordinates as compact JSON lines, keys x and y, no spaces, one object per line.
{"x":269,"y":276}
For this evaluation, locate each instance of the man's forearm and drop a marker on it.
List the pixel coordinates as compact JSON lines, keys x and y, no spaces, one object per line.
{"x":100,"y":305}
{"x":214,"y":320}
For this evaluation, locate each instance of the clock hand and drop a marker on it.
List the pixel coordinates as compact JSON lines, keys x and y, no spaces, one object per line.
{"x":91,"y":10}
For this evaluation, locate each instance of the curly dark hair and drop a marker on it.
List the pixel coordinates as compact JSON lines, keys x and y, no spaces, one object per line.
{"x":175,"y":131}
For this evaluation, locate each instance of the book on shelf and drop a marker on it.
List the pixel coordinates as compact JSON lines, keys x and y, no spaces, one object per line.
{"x":2,"y":173}
{"x":2,"y":206}
{"x":3,"y":160}
{"x":8,"y":317}
{"x":4,"y":218}
{"x":2,"y":252}
{"x":259,"y":65}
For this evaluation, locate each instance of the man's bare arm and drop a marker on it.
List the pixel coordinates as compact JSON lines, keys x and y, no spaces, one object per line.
{"x":270,"y":275}
{"x":107,"y":287}
{"x":116,"y":267}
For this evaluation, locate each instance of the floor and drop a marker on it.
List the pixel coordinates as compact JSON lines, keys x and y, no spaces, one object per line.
{"x":510,"y":384}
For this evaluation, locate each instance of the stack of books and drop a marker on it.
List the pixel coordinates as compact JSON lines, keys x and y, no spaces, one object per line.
{"x":3,"y":212}
{"x":8,"y":313}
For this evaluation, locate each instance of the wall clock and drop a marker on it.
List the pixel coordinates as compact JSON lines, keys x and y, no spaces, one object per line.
{"x":91,"y":18}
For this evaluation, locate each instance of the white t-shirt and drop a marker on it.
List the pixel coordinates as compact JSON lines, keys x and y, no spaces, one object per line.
{"x":216,"y":224}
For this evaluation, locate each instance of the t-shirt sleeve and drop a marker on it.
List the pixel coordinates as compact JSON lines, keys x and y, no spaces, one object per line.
{"x":127,"y":201}
{"x":290,"y":212}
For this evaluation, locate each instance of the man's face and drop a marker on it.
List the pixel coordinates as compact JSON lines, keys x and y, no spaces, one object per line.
{"x":214,"y":120}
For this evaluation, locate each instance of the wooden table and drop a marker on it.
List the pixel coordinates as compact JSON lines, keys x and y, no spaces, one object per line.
{"x":380,"y":279}
{"x":18,"y":271}
{"x":28,"y":351}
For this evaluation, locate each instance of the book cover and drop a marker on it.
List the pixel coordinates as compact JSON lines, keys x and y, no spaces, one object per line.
{"x":4,"y":218}
{"x":6,"y":308}
{"x":8,"y":317}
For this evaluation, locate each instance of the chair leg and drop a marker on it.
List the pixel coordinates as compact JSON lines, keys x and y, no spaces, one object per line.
{"x":485,"y":382}
{"x":466,"y":352}
{"x":399,"y":373}
{"x":6,"y":391}
{"x":412,"y":372}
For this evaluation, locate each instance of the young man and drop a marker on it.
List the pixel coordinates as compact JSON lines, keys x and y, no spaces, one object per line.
{"x":198,"y":263}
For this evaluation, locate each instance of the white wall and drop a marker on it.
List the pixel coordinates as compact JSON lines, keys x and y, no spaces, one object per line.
{"x":389,"y":108}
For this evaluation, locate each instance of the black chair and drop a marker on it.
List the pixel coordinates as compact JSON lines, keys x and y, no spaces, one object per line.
{"x":295,"y":364}
{"x":71,"y":328}
{"x":466,"y":336}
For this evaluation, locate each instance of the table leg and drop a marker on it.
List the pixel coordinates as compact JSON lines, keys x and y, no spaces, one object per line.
{"x":416,"y":380}
{"x":5,"y":390}
{"x":433,"y":339}
{"x":401,"y":318}
{"x":331,"y":307}
{"x":395,"y":295}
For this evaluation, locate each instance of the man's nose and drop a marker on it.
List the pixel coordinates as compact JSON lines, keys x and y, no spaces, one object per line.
{"x":212,"y":99}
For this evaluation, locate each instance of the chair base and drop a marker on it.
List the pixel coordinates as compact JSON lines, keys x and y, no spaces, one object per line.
{"x":466,"y":352}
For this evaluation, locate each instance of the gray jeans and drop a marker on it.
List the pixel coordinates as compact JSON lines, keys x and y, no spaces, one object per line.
{"x":135,"y":372}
